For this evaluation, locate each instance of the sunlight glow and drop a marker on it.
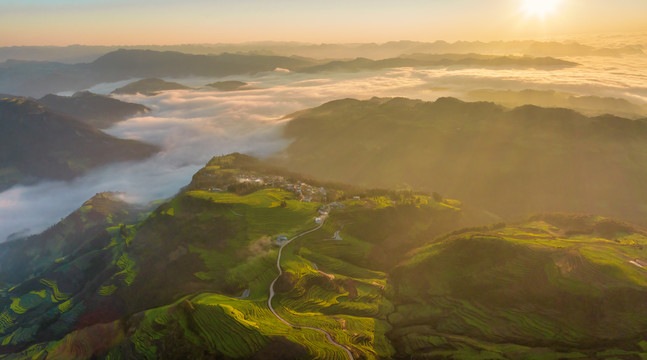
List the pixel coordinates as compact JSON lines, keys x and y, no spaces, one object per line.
{"x":539,"y":8}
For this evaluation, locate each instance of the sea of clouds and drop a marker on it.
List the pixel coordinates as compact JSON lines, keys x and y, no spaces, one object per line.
{"x":191,"y":126}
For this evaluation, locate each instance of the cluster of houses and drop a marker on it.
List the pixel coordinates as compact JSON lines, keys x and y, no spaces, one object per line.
{"x":305,"y":192}
{"x":323,"y":214}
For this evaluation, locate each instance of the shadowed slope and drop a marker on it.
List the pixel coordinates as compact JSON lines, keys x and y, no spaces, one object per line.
{"x":97,"y":110}
{"x":37,"y":143}
{"x":554,"y":159}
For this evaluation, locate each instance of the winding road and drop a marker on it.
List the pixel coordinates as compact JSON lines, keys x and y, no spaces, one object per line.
{"x":269,"y":300}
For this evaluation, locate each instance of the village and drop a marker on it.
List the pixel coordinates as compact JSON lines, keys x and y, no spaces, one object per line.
{"x":249,"y":182}
{"x":304,"y":192}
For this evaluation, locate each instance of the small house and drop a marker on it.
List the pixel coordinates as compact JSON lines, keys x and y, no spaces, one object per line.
{"x":281,"y":239}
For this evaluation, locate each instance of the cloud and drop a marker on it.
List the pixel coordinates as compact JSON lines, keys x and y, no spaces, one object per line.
{"x":194,"y":125}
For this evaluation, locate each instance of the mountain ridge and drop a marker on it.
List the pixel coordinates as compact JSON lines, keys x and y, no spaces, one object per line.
{"x":515,"y":152}
{"x":40,"y":78}
{"x":97,"y":110}
{"x":39,"y":144}
{"x":441,"y":60}
{"x":80,"y":53}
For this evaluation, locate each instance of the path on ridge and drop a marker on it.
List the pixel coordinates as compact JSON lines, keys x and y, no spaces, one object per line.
{"x":269,"y":300}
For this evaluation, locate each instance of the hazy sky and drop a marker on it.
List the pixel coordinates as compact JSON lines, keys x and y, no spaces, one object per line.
{"x":129,"y":22}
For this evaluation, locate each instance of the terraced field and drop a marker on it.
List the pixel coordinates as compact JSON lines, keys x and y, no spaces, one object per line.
{"x":198,"y":252}
{"x":556,"y":282}
{"x":385,"y":276}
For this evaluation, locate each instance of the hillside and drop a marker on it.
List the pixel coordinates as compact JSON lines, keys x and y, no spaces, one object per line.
{"x":556,"y":286}
{"x":74,"y":234}
{"x":148,"y":87}
{"x":381,"y":274}
{"x":441,"y":60}
{"x":488,"y":156}
{"x":36,"y":143}
{"x":97,"y":110}
{"x":195,"y":255}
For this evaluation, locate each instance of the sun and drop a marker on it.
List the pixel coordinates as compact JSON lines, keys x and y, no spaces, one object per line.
{"x":539,"y":8}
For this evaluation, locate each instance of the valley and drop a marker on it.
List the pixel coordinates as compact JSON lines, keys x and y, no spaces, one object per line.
{"x":306,"y":180}
{"x":400,"y":281}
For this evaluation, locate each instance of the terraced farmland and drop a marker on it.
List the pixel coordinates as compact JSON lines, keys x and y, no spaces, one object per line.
{"x":555,"y":282}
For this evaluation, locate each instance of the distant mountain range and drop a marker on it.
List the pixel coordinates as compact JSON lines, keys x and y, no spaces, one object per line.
{"x":388,"y":275}
{"x":444,"y":60}
{"x":37,"y":143}
{"x":592,"y":105}
{"x":126,"y":64}
{"x":554,"y":159}
{"x":97,"y":110}
{"x":40,"y":78}
{"x":79,"y":53}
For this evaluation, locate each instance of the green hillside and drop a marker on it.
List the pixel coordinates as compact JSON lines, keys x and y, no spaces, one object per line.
{"x":557,"y":286}
{"x":509,"y":162}
{"x":387,"y":275}
{"x":192,"y":276}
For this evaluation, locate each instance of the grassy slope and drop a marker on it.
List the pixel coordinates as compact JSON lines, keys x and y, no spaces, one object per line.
{"x":560,"y":285}
{"x":557,"y":286}
{"x":345,"y":297}
{"x":54,"y":282}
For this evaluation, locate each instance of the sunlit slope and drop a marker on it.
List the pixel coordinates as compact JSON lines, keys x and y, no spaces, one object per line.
{"x":336,"y":279}
{"x":51,"y":283}
{"x":196,"y":242}
{"x":78,"y":232}
{"x":201,"y":250}
{"x":191,"y":278}
{"x":329,"y":284}
{"x":558,"y":283}
{"x":510,"y":162}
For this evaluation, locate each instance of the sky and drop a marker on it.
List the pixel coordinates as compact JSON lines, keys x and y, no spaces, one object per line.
{"x":148,"y":22}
